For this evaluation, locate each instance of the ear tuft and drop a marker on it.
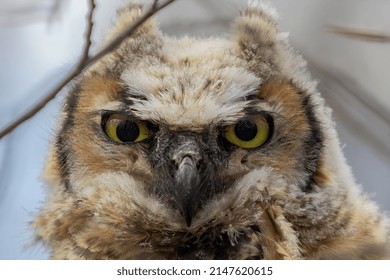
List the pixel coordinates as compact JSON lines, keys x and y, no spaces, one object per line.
{"x":262,"y":9}
{"x":128,"y":15}
{"x":258,"y":23}
{"x":146,"y":40}
{"x":257,"y":35}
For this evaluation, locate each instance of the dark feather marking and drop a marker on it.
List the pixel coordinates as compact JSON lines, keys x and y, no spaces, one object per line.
{"x":314,"y":143}
{"x":62,"y":158}
{"x":207,"y":84}
{"x":127,"y":92}
{"x":63,"y":150}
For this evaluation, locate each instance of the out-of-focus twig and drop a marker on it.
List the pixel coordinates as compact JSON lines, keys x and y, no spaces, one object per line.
{"x":353,"y":88}
{"x":88,"y":32}
{"x":345,"y":95}
{"x":360,"y":34}
{"x":87,"y":60}
{"x":64,"y":82}
{"x":128,"y":32}
{"x":55,"y":10}
{"x":23,"y":12}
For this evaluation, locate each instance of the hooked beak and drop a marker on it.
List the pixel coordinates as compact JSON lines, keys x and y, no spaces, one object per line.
{"x":187,"y":194}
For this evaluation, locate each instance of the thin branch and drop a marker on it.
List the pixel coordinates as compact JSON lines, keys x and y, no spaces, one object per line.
{"x":24,"y":12}
{"x":127,"y":33}
{"x":85,"y":62}
{"x":64,"y":82}
{"x":154,"y":5}
{"x":365,"y":98}
{"x":355,"y":91}
{"x":88,"y":33}
{"x":361,"y":34}
{"x":349,"y":91}
{"x":55,"y":10}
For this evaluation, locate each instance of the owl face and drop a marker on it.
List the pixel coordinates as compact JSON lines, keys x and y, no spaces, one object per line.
{"x":178,"y":148}
{"x":185,"y":127}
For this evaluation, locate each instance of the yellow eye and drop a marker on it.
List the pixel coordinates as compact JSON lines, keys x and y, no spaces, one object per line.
{"x":123,"y":130}
{"x":249,"y":133}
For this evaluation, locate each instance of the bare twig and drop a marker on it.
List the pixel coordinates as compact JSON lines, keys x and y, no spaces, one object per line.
{"x":361,"y":34}
{"x":86,"y":61}
{"x":128,"y":32}
{"x":353,"y":88}
{"x":64,"y":82}
{"x":88,"y":33}
{"x":154,"y":5}
{"x":24,"y":12}
{"x":54,"y":10}
{"x":350,"y":92}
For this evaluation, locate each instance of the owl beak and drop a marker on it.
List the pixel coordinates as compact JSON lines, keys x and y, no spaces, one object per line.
{"x":186,"y":193}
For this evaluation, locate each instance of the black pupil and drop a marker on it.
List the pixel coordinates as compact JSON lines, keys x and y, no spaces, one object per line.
{"x":127,"y":131}
{"x":245,"y":130}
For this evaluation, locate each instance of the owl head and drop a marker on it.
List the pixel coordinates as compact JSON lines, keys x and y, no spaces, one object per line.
{"x":200,"y":148}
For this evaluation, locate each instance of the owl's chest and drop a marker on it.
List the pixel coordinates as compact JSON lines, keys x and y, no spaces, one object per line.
{"x":212,"y":245}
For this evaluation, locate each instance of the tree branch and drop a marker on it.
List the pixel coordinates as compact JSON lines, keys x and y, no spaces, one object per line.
{"x":86,"y":60}
{"x":361,"y":34}
{"x":128,"y":32}
{"x":88,"y":32}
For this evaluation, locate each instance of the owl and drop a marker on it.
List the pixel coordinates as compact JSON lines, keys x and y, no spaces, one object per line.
{"x":203,"y":148}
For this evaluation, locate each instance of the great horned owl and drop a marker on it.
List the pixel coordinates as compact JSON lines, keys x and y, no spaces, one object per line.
{"x":212,"y":148}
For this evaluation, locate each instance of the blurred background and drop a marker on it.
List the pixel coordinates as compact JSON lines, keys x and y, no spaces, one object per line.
{"x":42,"y":39}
